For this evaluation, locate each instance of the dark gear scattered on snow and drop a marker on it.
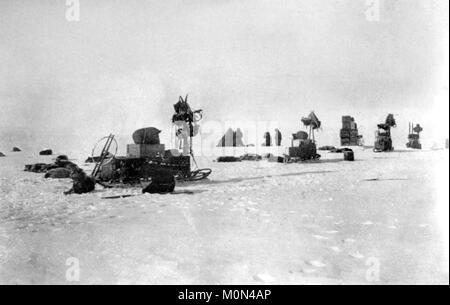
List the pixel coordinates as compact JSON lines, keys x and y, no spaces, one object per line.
{"x":46,"y":152}
{"x":82,"y":183}
{"x":349,"y":156}
{"x":162,"y":182}
{"x":228,"y":159}
{"x":251,"y":157}
{"x":58,"y":173}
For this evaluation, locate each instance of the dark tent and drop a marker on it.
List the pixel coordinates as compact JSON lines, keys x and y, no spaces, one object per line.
{"x":277,"y":137}
{"x":267,"y":139}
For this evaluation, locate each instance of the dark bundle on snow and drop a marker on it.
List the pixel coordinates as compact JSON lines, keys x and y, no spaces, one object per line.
{"x":65,"y":163}
{"x":36,"y":168}
{"x":46,"y":152}
{"x":277,"y":159}
{"x":58,"y":173}
{"x":341,"y":150}
{"x":251,"y":157}
{"x":228,"y":159}
{"x":349,"y":156}
{"x":2,"y":154}
{"x":96,"y":159}
{"x":16,"y":149}
{"x":82,"y":183}
{"x":60,"y":162}
{"x":327,"y":148}
{"x":162,"y":182}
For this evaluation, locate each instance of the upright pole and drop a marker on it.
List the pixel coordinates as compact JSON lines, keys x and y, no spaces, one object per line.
{"x":103,"y":155}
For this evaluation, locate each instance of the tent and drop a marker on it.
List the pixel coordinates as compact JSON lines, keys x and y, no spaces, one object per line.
{"x":231,"y":139}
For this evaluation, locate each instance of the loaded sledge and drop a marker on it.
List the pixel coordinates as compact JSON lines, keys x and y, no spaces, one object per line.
{"x":147,"y":159}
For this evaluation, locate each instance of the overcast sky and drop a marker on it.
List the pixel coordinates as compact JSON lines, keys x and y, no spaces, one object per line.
{"x":124,"y":63}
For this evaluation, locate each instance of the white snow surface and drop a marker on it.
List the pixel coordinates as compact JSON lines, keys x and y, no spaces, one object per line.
{"x":325,"y":222}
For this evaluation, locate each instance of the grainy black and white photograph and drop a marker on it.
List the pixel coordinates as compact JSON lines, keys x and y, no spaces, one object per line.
{"x":224,"y":142}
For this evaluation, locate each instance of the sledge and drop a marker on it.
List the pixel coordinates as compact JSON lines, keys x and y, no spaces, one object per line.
{"x":383,"y":142}
{"x":147,"y":158}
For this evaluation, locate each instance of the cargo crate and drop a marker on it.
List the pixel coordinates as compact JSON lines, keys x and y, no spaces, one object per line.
{"x":145,"y":150}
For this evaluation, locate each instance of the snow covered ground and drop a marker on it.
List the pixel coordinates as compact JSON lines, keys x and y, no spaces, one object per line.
{"x":382,"y":219}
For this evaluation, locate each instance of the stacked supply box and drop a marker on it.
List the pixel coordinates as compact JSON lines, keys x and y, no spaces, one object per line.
{"x":145,"y":150}
{"x":349,"y":132}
